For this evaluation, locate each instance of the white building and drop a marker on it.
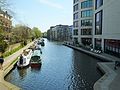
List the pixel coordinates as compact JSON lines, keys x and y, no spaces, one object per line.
{"x":106,"y":35}
{"x":83,"y":21}
{"x":60,"y":33}
{"x":76,"y":14}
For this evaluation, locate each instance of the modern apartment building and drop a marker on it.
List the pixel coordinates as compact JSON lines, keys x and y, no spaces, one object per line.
{"x":83,"y":21}
{"x":76,"y":21}
{"x":5,"y":22}
{"x":60,"y":33}
{"x":106,"y":35}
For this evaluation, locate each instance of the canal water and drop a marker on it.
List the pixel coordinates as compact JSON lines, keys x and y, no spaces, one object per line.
{"x":62,"y":69}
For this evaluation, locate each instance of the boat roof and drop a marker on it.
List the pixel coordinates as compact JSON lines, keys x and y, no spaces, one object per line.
{"x":36,"y":53}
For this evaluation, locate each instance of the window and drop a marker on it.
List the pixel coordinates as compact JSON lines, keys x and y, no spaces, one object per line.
{"x":87,"y":4}
{"x":98,"y":3}
{"x":112,"y":47}
{"x":87,"y":13}
{"x":98,"y":43}
{"x":75,"y":16}
{"x":75,"y":31}
{"x":75,"y":1}
{"x":98,"y":23}
{"x":75,"y":24}
{"x":75,"y":8}
{"x":86,"y":41}
{"x":86,"y":31}
{"x":87,"y":22}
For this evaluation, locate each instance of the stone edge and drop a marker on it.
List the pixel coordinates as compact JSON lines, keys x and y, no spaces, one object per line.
{"x":8,"y":85}
{"x":109,"y":75}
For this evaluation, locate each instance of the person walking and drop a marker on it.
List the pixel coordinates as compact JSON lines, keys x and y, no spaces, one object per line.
{"x":21,"y":59}
{"x":1,"y":62}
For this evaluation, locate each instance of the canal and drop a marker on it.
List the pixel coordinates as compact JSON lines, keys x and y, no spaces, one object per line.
{"x":62,"y":69}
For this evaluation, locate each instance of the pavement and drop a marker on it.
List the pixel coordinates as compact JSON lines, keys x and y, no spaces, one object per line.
{"x":7,"y":66}
{"x":111,"y":78}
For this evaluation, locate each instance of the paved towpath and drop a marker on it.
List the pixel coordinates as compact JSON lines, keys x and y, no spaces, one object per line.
{"x":7,"y":62}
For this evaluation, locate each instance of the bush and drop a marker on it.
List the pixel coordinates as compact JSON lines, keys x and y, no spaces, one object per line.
{"x":12,"y":51}
{"x":3,"y":46}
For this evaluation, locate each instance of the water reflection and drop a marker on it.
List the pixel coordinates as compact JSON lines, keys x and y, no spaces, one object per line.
{"x":62,"y":69}
{"x":22,"y":72}
{"x":36,"y":69}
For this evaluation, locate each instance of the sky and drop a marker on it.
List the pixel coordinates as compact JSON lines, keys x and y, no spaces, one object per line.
{"x":42,"y":13}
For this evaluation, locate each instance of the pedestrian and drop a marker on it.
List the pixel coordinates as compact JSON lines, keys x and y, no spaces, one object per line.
{"x":1,"y":62}
{"x":21,"y":59}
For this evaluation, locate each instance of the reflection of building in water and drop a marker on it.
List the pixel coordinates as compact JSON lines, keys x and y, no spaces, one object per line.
{"x":22,"y":72}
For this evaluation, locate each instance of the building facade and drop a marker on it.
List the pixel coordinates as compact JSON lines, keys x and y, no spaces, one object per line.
{"x":5,"y":23}
{"x":60,"y":33}
{"x":106,"y":35}
{"x":83,"y":21}
{"x":76,"y":21}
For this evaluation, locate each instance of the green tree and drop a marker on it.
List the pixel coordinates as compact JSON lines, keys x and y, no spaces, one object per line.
{"x":21,"y":33}
{"x":36,"y":32}
{"x":3,"y":43}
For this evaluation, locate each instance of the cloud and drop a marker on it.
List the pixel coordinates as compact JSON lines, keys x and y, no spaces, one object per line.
{"x":51,"y":4}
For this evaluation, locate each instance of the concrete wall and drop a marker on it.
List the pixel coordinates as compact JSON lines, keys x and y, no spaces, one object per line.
{"x":110,"y":21}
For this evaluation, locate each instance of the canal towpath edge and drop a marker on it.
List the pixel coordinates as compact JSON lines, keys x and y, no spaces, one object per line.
{"x":7,"y":67}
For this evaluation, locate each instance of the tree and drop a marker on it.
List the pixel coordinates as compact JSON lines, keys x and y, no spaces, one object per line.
{"x":21,"y":33}
{"x":3,"y":43}
{"x":3,"y":3}
{"x":36,"y":32}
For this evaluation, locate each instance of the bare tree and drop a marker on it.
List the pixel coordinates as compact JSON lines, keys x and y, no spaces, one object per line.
{"x":3,"y":3}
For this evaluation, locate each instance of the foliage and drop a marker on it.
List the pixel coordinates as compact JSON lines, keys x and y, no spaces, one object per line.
{"x":20,"y":33}
{"x":3,"y":44}
{"x":13,"y":51}
{"x":3,"y":3}
{"x":36,"y":32}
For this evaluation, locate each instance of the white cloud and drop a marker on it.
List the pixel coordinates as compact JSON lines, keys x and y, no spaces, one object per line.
{"x":52,"y":4}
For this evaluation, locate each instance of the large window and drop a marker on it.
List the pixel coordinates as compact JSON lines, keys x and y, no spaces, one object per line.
{"x":75,"y":31}
{"x":86,"y":22}
{"x":86,"y":31}
{"x":87,"y":13}
{"x":98,"y":23}
{"x":86,"y":41}
{"x":98,"y":3}
{"x":87,"y":4}
{"x":112,"y":47}
{"x":98,"y":43}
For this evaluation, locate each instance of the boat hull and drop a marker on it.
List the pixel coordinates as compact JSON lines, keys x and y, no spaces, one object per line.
{"x":35,"y":65}
{"x":26,"y":60}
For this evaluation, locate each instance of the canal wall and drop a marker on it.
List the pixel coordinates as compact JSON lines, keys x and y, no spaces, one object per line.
{"x":111,"y":77}
{"x":8,"y":65}
{"x":99,"y":56}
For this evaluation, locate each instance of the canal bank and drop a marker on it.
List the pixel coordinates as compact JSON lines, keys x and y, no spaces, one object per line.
{"x":8,"y":65}
{"x":101,"y":56}
{"x":110,"y":79}
{"x":62,"y":69}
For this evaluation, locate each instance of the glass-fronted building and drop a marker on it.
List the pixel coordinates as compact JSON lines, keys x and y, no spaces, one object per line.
{"x":106,"y":33}
{"x":83,"y":21}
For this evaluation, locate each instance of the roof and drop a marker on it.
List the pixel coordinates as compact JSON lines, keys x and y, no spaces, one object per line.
{"x":36,"y":53}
